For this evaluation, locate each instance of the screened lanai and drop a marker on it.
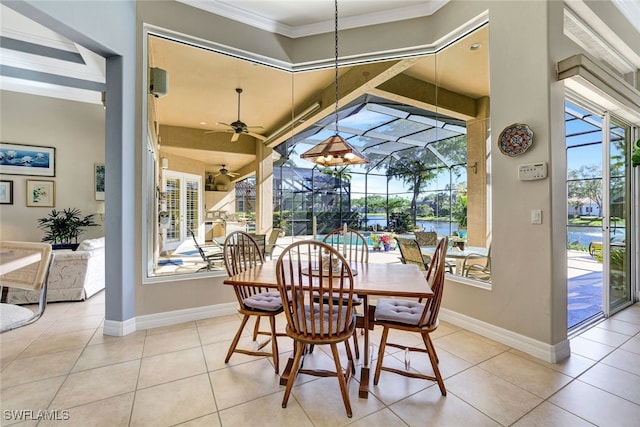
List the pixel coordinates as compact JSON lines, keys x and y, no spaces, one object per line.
{"x":416,"y":175}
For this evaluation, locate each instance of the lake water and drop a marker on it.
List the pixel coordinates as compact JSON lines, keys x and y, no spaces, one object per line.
{"x":440,"y":227}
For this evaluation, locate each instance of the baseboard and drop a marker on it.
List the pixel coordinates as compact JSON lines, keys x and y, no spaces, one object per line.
{"x":119,"y":329}
{"x":552,"y":353}
{"x":188,"y":315}
{"x":115,"y":328}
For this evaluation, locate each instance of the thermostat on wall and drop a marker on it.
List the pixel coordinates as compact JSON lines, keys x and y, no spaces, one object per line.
{"x":532,"y":171}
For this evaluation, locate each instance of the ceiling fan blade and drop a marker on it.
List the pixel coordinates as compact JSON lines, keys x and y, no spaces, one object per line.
{"x":254,"y":127}
{"x":219,"y":131}
{"x":257,"y":136}
{"x":235,"y":137}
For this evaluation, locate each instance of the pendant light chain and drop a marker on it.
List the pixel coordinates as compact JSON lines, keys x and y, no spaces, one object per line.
{"x":336,"y":65}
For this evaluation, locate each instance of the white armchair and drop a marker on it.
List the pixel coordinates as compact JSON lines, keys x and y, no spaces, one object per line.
{"x":74,"y":275}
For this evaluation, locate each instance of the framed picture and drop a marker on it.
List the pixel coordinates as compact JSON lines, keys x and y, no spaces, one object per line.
{"x":6,"y":192}
{"x":41,"y":193}
{"x":99,"y":180}
{"x":19,"y":159}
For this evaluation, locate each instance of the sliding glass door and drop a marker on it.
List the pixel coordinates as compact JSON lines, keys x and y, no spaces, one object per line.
{"x":617,"y":216}
{"x":599,"y":213}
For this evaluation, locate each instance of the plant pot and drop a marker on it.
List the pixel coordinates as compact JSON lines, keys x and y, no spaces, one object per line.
{"x":59,"y":246}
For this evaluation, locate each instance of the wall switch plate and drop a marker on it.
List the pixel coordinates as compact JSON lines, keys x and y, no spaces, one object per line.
{"x":536,"y":216}
{"x":532,"y":171}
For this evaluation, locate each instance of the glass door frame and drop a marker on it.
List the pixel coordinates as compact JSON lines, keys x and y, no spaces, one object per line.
{"x":612,"y":305}
{"x":630,"y":200}
{"x":180,"y":223}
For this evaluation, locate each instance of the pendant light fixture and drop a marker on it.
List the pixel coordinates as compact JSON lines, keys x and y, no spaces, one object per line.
{"x":335,"y":151}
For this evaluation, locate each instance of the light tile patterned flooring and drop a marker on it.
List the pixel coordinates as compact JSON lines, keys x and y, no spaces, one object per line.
{"x":177,"y":376}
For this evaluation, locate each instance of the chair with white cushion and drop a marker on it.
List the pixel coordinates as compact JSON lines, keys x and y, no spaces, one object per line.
{"x":241,"y":252}
{"x":23,"y":265}
{"x":306,"y":269}
{"x":414,"y":316}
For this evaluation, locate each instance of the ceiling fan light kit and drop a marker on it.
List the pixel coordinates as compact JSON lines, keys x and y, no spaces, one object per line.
{"x":239,"y":127}
{"x":335,"y":151}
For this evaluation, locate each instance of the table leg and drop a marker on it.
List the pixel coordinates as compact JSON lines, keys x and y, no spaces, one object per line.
{"x":284,"y":377}
{"x":364,"y":372}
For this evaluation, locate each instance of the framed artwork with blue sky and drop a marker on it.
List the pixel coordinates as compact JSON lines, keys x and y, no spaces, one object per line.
{"x":33,"y":160}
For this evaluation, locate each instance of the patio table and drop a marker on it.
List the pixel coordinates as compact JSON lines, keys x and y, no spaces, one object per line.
{"x":385,"y":280}
{"x":457,"y":254}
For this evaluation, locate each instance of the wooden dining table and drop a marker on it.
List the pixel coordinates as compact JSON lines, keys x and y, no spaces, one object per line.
{"x":382,"y":280}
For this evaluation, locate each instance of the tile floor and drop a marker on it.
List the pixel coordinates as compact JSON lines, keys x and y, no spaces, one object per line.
{"x":64,"y":367}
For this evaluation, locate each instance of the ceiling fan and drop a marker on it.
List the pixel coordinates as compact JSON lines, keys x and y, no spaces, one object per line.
{"x":225,"y":171}
{"x":239,"y":127}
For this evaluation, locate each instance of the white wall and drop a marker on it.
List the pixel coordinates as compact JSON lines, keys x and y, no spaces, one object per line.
{"x":76,"y":130}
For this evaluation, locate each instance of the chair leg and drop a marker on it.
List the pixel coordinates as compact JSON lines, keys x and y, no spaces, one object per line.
{"x":434,"y":362}
{"x":341,"y":380}
{"x":356,"y":348}
{"x":350,"y":356}
{"x":299,"y":347}
{"x":274,"y":343}
{"x":234,"y":343}
{"x":256,"y":328}
{"x":383,"y":344}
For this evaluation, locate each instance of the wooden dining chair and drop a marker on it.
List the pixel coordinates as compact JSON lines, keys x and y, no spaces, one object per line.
{"x":414,"y":316}
{"x":357,"y":250}
{"x":305,"y":269}
{"x":33,"y":276}
{"x":241,"y":252}
{"x":356,"y":246}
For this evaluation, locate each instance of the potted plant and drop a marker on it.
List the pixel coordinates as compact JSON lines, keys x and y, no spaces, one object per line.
{"x":635,"y":156}
{"x":460,"y":215}
{"x":62,"y":228}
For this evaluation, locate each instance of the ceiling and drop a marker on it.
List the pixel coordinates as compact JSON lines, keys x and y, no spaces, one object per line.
{"x":202,"y":83}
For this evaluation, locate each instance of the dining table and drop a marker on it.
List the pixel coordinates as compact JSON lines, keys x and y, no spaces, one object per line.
{"x":370,"y":279}
{"x":457,"y":254}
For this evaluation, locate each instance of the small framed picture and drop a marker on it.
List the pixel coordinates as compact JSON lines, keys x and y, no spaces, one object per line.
{"x":41,"y":193}
{"x":6,"y":192}
{"x":99,"y":180}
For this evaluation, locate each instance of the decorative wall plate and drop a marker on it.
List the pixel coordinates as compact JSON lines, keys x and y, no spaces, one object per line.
{"x":515,"y":139}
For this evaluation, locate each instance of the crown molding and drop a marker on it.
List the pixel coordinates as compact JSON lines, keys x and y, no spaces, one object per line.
{"x":426,"y":8}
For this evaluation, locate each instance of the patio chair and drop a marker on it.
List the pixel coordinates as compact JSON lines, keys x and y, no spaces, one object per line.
{"x":241,"y":252}
{"x":426,"y":238}
{"x":301,"y":274}
{"x":477,"y":266}
{"x":356,"y":251}
{"x":410,"y":253}
{"x":212,"y":254}
{"x":25,"y":265}
{"x":270,"y":244}
{"x":414,"y":316}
